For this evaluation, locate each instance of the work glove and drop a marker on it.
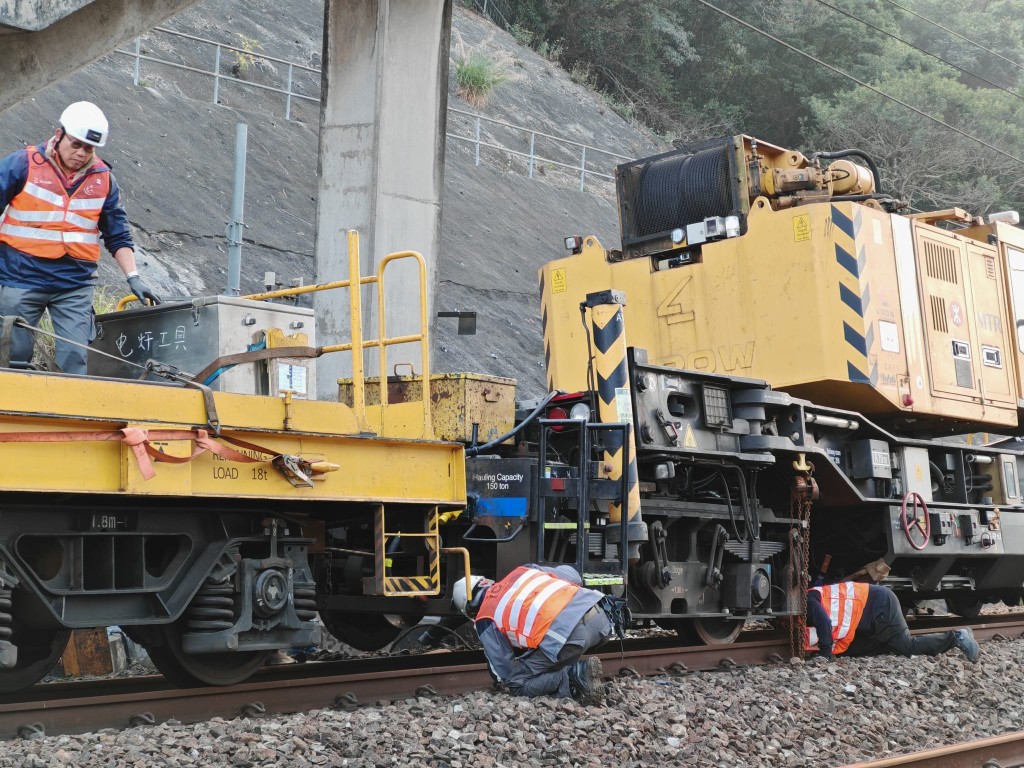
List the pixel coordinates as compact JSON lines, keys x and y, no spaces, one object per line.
{"x":142,"y":291}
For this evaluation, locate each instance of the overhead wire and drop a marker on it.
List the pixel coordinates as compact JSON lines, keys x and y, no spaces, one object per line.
{"x":955,"y":34}
{"x":860,"y":82}
{"x":919,"y":48}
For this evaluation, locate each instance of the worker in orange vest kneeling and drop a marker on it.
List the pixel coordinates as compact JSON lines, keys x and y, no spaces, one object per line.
{"x":866,"y":620}
{"x":535,"y":625}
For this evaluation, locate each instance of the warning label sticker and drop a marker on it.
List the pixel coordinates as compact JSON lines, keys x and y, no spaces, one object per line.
{"x":558,"y":282}
{"x":689,"y":439}
{"x":801,"y":228}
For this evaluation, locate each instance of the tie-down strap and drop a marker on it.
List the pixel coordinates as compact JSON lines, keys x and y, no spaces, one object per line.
{"x":299,"y":472}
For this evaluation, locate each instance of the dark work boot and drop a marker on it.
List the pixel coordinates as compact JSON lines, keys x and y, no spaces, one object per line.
{"x":586,"y":684}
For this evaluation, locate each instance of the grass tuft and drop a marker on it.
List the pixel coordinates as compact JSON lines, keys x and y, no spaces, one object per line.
{"x":476,"y":76}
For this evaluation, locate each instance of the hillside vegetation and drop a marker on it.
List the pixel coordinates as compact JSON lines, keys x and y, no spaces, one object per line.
{"x":691,"y":71}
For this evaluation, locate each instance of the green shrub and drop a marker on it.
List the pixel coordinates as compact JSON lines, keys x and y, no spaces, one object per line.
{"x":476,"y":75}
{"x":246,"y":58}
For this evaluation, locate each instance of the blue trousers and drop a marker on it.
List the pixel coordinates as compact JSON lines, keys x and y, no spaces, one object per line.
{"x":71,"y":313}
{"x":883,"y":629}
{"x":537,"y":675}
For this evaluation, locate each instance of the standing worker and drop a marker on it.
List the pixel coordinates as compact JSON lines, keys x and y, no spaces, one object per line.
{"x":536,"y":624}
{"x":867,"y":620}
{"x":60,"y":198}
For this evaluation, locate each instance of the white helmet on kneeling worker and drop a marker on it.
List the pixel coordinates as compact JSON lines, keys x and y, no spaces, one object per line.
{"x":477,"y":587}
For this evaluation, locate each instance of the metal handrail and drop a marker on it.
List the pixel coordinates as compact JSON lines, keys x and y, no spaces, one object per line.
{"x":216,"y":73}
{"x":531,"y":157}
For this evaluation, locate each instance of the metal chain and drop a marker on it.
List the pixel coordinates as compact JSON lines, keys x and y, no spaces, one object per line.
{"x":800,"y":502}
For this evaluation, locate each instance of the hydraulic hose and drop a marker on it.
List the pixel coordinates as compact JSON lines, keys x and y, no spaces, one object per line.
{"x":476,"y":450}
{"x":938,"y":479}
{"x":854,"y":153}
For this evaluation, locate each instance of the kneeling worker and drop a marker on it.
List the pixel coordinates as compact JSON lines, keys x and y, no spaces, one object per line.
{"x":535,"y":625}
{"x":866,"y":620}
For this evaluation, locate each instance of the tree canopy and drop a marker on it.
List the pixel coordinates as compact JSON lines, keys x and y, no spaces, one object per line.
{"x":932,"y":89}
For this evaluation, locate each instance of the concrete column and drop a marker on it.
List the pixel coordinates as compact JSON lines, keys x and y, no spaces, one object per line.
{"x":382,"y":139}
{"x":42,"y":42}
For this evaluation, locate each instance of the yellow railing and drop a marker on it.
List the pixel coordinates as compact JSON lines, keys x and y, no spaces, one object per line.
{"x":382,"y":342}
{"x":358,"y":344}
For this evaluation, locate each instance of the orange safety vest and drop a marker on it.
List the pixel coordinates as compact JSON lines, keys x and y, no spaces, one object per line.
{"x":844,"y":603}
{"x":525,"y":603}
{"x":44,"y":221}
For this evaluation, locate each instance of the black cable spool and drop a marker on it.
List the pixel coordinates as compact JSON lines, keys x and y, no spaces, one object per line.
{"x":680,"y":190}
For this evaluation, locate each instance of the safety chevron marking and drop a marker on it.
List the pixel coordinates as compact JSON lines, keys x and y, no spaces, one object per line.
{"x":407,"y":585}
{"x":612,"y":375}
{"x":610,"y":367}
{"x":544,"y":332}
{"x":855,"y":296}
{"x":606,"y":386}
{"x":843,"y":221}
{"x":433,"y":553}
{"x":847,"y":261}
{"x":851,"y":299}
{"x":605,"y":337}
{"x":854,"y":339}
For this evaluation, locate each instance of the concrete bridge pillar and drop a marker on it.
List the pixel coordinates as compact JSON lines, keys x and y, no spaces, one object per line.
{"x":382,"y":140}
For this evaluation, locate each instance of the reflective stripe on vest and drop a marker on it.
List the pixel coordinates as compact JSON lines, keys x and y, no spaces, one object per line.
{"x":844,"y":603}
{"x":44,"y":221}
{"x":525,"y":603}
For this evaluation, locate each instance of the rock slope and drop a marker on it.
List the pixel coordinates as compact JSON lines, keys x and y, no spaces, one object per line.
{"x":172,"y":151}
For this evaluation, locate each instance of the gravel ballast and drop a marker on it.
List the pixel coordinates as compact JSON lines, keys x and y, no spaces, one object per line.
{"x":797,"y":713}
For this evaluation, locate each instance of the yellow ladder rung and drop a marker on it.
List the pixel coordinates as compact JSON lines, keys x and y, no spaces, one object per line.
{"x":413,"y":585}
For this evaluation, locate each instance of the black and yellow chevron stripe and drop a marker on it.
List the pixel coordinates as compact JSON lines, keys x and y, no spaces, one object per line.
{"x":404,"y":586}
{"x":855,"y":297}
{"x":613,"y":389}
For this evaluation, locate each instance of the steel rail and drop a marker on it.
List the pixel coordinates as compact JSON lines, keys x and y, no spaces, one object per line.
{"x":83,"y":706}
{"x":80,"y":707}
{"x":1005,"y":751}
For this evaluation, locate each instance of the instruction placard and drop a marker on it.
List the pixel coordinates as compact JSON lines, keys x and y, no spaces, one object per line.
{"x":291,"y":378}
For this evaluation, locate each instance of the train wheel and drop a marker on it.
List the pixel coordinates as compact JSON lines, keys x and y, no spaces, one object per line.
{"x":363,"y":631}
{"x":967,"y":605}
{"x":708,"y":631}
{"x":38,"y":652}
{"x":187,"y":670}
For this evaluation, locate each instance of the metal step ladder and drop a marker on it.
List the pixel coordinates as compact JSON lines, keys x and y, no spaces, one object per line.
{"x":581,"y":483}
{"x":385,"y":543}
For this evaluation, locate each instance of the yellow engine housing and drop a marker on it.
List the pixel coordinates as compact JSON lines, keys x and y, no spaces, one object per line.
{"x":837,"y":302}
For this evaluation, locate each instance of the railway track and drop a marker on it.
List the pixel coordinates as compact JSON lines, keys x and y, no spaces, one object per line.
{"x":1005,"y":751}
{"x":84,"y":706}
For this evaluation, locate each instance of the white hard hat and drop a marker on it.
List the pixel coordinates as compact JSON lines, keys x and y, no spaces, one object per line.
{"x":86,"y":122}
{"x":478,"y":584}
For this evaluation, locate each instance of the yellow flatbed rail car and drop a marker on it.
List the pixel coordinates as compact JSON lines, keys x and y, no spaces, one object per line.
{"x":214,"y":527}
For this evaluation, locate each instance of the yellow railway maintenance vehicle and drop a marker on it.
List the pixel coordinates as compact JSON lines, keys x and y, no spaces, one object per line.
{"x":200,"y":521}
{"x":881,"y":333}
{"x":761,"y":386}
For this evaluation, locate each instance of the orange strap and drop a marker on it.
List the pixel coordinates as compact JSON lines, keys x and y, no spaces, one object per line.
{"x":139,"y":440}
